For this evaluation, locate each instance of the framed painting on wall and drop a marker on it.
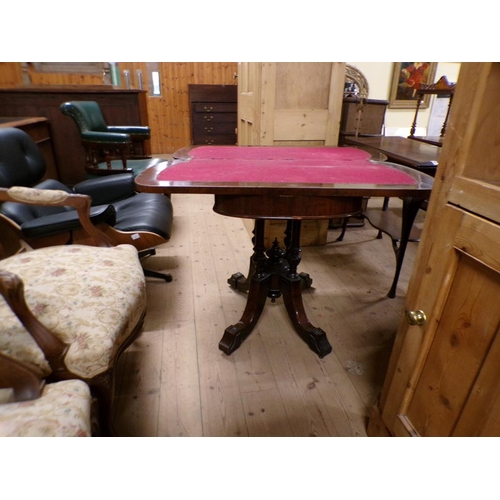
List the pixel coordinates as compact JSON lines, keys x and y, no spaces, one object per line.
{"x":406,"y":79}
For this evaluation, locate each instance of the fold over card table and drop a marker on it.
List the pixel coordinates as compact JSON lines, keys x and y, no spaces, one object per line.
{"x":291,"y":184}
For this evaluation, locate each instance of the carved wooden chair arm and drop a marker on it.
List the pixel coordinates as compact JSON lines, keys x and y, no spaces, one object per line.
{"x":25,"y":381}
{"x":54,"y":197}
{"x":12,"y":289}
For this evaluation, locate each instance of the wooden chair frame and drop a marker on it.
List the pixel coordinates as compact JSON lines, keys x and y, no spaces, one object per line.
{"x":12,"y":289}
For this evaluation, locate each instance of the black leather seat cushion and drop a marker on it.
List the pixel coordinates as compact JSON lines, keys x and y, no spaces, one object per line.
{"x":68,"y":221}
{"x":134,"y":211}
{"x":145,"y":212}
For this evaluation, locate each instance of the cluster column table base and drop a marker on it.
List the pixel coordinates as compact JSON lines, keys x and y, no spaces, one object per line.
{"x":274,"y":274}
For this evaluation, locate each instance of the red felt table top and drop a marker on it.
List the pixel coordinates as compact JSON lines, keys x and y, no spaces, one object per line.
{"x":272,"y":164}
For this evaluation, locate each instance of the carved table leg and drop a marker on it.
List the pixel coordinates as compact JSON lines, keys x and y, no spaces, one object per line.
{"x":292,"y":295}
{"x":234,"y":335}
{"x":314,"y":337}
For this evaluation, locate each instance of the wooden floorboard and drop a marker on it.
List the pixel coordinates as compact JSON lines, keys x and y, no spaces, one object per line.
{"x":174,"y":380}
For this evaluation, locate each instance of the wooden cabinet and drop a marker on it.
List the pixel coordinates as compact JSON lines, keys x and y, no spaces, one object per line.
{"x":120,"y":107}
{"x":444,"y":372}
{"x":289,"y":104}
{"x":213,"y":114}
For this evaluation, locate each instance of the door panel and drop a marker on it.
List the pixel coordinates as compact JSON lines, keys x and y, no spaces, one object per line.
{"x":466,"y":330}
{"x":461,"y":331}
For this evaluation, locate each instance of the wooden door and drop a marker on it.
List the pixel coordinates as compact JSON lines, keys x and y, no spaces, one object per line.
{"x":290,"y":103}
{"x":444,"y":374}
{"x":249,"y":77}
{"x":456,"y":366}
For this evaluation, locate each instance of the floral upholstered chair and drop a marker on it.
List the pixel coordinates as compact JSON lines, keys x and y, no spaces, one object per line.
{"x":71,"y":310}
{"x":31,"y":408}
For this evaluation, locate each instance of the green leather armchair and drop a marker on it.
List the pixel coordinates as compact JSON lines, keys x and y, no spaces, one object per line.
{"x":109,"y":149}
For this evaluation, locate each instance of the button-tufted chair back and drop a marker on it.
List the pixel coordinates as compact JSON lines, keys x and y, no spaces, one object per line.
{"x":86,"y":114}
{"x":21,"y":162}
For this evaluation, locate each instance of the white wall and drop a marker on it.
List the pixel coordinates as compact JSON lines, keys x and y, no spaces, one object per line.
{"x":379,"y":76}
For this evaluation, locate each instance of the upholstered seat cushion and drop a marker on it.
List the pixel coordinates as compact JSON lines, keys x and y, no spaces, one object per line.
{"x":92,"y":298}
{"x":63,"y":410}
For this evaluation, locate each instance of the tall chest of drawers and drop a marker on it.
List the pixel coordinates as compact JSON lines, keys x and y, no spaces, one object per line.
{"x":213,"y":114}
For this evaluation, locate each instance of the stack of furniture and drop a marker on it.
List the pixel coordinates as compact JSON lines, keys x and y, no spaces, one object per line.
{"x":70,"y":310}
{"x":125,"y":216}
{"x":291,"y":104}
{"x":119,"y":107}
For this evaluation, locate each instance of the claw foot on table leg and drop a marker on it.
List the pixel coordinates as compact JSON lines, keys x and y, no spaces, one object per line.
{"x":318,"y":342}
{"x":238,"y":282}
{"x":306,"y":281}
{"x":233,"y":337}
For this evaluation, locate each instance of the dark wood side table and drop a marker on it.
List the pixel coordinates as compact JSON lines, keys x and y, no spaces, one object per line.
{"x":418,"y":155}
{"x":415,"y":154}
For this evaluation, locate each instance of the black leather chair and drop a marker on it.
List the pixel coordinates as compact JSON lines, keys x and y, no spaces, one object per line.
{"x":109,"y":149}
{"x":143,"y":220}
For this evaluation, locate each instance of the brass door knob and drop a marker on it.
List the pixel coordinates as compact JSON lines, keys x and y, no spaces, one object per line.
{"x":416,"y":317}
